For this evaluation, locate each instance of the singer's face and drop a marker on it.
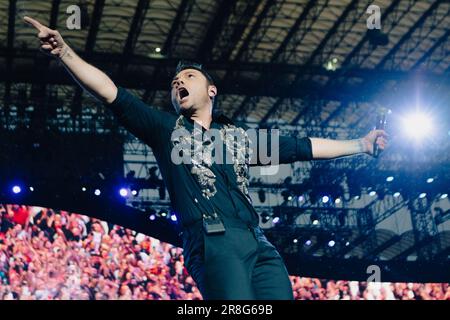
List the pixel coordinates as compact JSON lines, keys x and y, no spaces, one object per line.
{"x":189,"y":90}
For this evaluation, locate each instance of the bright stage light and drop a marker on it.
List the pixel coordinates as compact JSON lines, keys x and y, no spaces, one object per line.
{"x":331,"y":243}
{"x":123,"y":192}
{"x":325,"y":199}
{"x":173,"y":218}
{"x":276,"y":220}
{"x":397,"y":194}
{"x":444,"y":196}
{"x":31,"y":189}
{"x":372,"y":193}
{"x":422,"y":195}
{"x":134,"y":192}
{"x":16,"y":189}
{"x":389,"y":179}
{"x":83,"y":189}
{"x":295,"y":240}
{"x":152,"y":217}
{"x":430,"y":180}
{"x":418,"y":125}
{"x":337,"y":201}
{"x":308,"y":242}
{"x":97,"y":192}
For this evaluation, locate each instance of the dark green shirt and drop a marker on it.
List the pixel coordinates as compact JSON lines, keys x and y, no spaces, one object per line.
{"x":155,"y":127}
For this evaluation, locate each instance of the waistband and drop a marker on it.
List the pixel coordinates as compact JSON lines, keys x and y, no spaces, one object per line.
{"x":228,"y":222}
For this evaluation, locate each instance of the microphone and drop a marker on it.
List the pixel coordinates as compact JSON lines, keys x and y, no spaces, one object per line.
{"x":380,"y":125}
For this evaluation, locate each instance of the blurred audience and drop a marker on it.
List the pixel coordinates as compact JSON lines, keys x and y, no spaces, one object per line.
{"x":56,"y":255}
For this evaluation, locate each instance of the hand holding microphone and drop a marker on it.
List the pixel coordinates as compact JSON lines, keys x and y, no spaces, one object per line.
{"x":381,"y":125}
{"x":376,"y":140}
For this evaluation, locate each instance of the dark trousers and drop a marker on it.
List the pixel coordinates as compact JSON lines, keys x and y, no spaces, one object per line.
{"x":240,"y":264}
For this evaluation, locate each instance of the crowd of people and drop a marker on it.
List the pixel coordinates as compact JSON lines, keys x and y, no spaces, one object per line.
{"x":56,"y":255}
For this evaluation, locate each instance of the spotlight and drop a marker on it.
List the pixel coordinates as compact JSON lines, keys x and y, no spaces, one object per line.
{"x":397,"y":194}
{"x":356,"y":197}
{"x":301,"y":198}
{"x":331,"y":65}
{"x":422,"y":195}
{"x":308,"y":242}
{"x":163,"y":213}
{"x":347,"y":244}
{"x":417,"y":120}
{"x":286,"y":195}
{"x":430,"y":180}
{"x":444,"y":196}
{"x":152,"y":217}
{"x":265,"y":217}
{"x":390,"y":179}
{"x":295,"y":240}
{"x":158,"y":50}
{"x":31,"y":189}
{"x":325,"y":199}
{"x":173,"y":218}
{"x":314,"y":218}
{"x":83,"y":189}
{"x":331,"y":243}
{"x":337,"y":201}
{"x":123,"y":192}
{"x":97,"y":192}
{"x":372,"y":193}
{"x":134,"y":192}
{"x":276,"y":220}
{"x":16,"y":189}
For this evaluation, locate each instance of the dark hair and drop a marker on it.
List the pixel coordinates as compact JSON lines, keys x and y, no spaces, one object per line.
{"x":184,"y":64}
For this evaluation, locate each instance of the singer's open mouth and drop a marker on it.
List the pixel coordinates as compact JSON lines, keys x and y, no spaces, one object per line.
{"x":183,"y":93}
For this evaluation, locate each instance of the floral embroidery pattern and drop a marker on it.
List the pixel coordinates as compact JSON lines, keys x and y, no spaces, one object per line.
{"x":201,"y":158}
{"x":237,"y":144}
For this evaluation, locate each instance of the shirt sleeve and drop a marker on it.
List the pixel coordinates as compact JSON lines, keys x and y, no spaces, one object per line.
{"x":142,"y":120}
{"x":295,"y":149}
{"x":288,"y":149}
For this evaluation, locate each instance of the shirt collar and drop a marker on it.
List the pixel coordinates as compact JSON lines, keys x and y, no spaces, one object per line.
{"x":218,"y":120}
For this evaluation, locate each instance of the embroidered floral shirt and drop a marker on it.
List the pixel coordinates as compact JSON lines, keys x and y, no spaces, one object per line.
{"x":203,"y":185}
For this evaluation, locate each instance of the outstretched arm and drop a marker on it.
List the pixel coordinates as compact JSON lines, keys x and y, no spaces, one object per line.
{"x":292,"y":149}
{"x":329,"y":149}
{"x":90,"y":78}
{"x":144,"y":122}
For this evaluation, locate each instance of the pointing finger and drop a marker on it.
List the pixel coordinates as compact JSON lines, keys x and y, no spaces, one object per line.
{"x":34,"y":23}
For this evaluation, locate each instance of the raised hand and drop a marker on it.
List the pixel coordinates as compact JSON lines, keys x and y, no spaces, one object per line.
{"x":375,"y":136}
{"x":52,"y":42}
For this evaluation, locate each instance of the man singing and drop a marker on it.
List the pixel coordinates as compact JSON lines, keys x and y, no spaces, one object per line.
{"x":225,"y":251}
